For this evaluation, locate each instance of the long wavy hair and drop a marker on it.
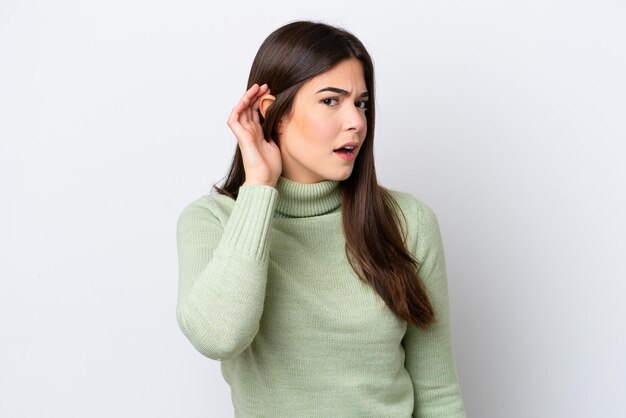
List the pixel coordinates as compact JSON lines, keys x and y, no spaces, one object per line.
{"x":375,"y":244}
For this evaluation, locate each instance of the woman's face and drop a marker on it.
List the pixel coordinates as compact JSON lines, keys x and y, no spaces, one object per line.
{"x":328,"y":114}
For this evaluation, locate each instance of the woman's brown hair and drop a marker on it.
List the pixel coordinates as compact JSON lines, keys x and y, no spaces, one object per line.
{"x":375,"y":245}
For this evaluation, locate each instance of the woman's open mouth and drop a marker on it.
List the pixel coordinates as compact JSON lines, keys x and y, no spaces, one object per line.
{"x":347,"y":153}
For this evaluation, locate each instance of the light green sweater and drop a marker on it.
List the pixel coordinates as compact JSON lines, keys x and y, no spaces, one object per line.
{"x":265,"y":287}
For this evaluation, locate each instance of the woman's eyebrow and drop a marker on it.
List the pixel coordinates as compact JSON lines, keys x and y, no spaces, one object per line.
{"x":341,"y":91}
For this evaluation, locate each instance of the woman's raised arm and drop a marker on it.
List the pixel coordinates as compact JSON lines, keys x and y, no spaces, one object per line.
{"x":223,"y":257}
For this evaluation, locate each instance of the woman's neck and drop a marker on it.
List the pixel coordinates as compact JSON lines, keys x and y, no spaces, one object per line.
{"x":302,"y":200}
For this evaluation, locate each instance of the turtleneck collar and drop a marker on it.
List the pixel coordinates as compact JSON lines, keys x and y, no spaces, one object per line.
{"x":300,"y":200}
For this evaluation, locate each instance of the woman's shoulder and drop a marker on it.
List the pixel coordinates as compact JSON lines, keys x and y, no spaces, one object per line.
{"x":422,"y":226}
{"x":212,"y":207}
{"x":412,"y":207}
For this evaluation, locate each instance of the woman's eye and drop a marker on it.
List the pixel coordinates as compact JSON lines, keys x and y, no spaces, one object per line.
{"x":362,"y":104}
{"x":330,"y":101}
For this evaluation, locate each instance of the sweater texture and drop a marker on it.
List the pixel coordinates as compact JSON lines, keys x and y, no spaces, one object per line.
{"x":265,"y":287}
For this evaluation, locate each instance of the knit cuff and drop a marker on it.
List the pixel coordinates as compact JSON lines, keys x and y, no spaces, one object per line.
{"x":248,"y":226}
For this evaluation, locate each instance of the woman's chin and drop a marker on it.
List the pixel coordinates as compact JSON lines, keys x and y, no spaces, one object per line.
{"x":341,"y":176}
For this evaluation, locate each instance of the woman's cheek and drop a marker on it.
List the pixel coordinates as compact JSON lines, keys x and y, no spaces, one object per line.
{"x":322,"y":130}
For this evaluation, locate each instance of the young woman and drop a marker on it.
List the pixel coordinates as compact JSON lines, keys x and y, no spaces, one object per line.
{"x":322,"y":293}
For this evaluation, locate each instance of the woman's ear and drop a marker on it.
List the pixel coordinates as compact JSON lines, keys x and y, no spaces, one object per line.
{"x":265,"y":102}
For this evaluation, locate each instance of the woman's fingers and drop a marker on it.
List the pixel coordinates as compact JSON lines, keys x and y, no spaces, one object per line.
{"x":252,"y":96}
{"x":254,"y":99}
{"x":251,"y":93}
{"x":253,"y":107}
{"x":244,"y":119}
{"x":247,"y":97}
{"x":263,"y":89}
{"x":250,"y":101}
{"x":255,"y":116}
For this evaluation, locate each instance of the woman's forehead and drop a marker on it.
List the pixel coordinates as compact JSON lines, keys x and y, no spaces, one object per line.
{"x":347,"y":75}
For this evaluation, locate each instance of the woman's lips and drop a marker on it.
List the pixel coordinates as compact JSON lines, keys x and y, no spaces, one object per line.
{"x":345,"y":154}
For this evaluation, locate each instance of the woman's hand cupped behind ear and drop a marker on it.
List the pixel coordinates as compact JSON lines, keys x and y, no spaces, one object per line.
{"x":261,"y":158}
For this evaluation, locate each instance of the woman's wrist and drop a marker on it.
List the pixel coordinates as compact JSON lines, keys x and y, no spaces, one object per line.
{"x":253,"y":182}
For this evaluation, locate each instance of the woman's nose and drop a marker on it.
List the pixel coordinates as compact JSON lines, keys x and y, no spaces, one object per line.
{"x":355,"y":119}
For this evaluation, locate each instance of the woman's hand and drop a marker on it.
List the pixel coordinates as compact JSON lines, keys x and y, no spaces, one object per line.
{"x":261,"y":159}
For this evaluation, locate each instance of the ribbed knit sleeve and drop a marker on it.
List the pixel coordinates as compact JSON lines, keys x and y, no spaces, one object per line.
{"x":223,"y":272}
{"x":429,"y":354}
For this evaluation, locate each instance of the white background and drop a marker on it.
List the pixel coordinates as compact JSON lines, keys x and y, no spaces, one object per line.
{"x":507,"y":118}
